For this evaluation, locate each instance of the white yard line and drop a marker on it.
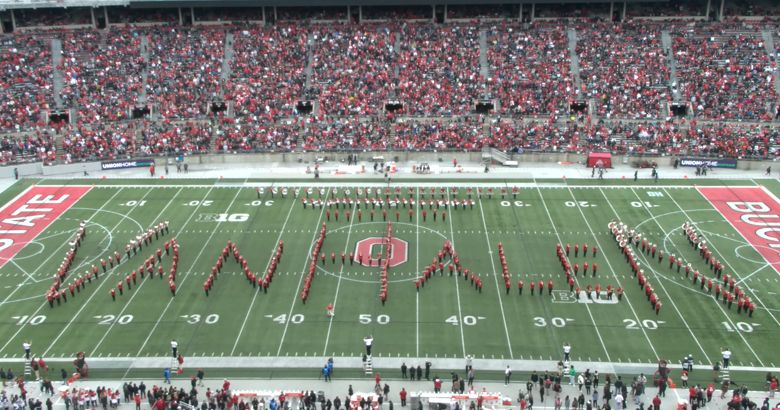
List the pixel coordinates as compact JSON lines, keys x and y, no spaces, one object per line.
{"x":457,"y":285}
{"x":660,"y":281}
{"x":617,"y":280}
{"x":258,"y":289}
{"x":56,"y":251}
{"x":92,"y":296}
{"x":587,"y":307}
{"x":206,"y":244}
{"x":495,"y":279}
{"x":29,"y":276}
{"x":748,"y":276}
{"x":338,"y":283}
{"x":302,"y":275}
{"x":137,"y":289}
{"x":417,"y":272}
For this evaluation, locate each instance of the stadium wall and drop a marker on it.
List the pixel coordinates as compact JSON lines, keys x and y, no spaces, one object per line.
{"x":309,"y":158}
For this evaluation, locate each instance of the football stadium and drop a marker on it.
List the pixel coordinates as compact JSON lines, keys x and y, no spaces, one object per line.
{"x":273,"y":204}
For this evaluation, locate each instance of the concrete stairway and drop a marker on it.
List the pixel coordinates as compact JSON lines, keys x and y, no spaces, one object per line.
{"x":666,"y":42}
{"x":226,"y":61}
{"x":574,"y":58}
{"x":57,"y":78}
{"x":484,"y":67}
{"x":309,"y":69}
{"x":769,"y":45}
{"x":145,"y":73}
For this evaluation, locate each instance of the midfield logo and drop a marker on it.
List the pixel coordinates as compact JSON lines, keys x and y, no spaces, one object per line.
{"x":370,"y":248}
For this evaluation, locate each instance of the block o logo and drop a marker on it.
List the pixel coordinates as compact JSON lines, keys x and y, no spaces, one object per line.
{"x":371,"y":248}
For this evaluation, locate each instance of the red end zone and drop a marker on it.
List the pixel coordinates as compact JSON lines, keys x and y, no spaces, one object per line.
{"x":27,"y":215}
{"x":755,"y":213}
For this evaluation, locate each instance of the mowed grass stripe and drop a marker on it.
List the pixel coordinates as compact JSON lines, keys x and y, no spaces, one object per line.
{"x":650,"y":264}
{"x":207,"y":326}
{"x":157,"y":342}
{"x":262,"y":334}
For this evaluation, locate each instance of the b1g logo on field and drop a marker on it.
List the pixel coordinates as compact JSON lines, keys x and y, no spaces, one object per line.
{"x":372,"y":248}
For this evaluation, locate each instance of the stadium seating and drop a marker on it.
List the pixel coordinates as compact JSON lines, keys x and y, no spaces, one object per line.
{"x":725,"y":72}
{"x":185,"y":70}
{"x":267,"y":70}
{"x":437,"y":72}
{"x":352,"y":67}
{"x":630,"y":80}
{"x":101,"y":73}
{"x":439,"y":69}
{"x":530,"y":69}
{"x":26,"y":80}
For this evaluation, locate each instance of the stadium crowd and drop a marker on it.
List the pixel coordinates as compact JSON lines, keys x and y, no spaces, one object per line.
{"x":725,"y":75}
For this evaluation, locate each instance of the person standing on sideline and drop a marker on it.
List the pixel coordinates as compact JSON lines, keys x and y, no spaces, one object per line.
{"x":403,"y":370}
{"x":726,"y":354}
{"x":26,"y":345}
{"x":618,"y":400}
{"x":368,"y":341}
{"x":402,"y":394}
{"x":175,"y":347}
{"x":566,"y":351}
{"x":636,"y":175}
{"x":657,"y":402}
{"x":507,"y":375}
{"x":167,"y":375}
{"x":427,"y":370}
{"x":471,"y":377}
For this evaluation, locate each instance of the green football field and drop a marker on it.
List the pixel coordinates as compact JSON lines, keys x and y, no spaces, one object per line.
{"x":448,"y":317}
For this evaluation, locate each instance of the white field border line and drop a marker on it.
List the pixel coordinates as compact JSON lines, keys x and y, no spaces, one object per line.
{"x":56,"y":251}
{"x":609,"y":265}
{"x":495,"y":279}
{"x":19,"y":195}
{"x":474,"y":182}
{"x":135,"y":293}
{"x":417,"y":271}
{"x":303,"y":273}
{"x":194,"y":263}
{"x":457,"y":284}
{"x":741,"y":336}
{"x":338,"y":282}
{"x":257,"y":290}
{"x":660,"y":282}
{"x":723,"y":256}
{"x":94,"y":293}
{"x":587,"y":306}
